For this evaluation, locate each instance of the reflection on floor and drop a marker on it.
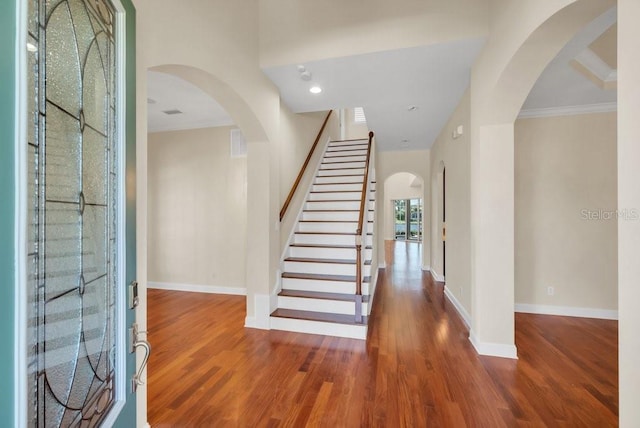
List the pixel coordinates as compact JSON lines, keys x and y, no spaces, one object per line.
{"x":417,"y":369}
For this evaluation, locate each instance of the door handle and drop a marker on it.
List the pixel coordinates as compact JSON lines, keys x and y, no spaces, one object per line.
{"x":137,"y":378}
{"x":135,"y":343}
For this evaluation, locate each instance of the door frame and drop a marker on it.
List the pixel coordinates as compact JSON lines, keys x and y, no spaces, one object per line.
{"x":13,"y":217}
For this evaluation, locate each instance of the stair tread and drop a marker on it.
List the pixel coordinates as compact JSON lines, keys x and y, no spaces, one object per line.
{"x":335,"y":184}
{"x":337,"y":191}
{"x":321,"y":295}
{"x":348,"y":150}
{"x":317,"y":316}
{"x":329,"y":211}
{"x":320,"y":260}
{"x":343,"y":156}
{"x":323,"y":277}
{"x":332,"y":221}
{"x":368,"y":247}
{"x":339,"y":175}
{"x":338,"y":169}
{"x":349,"y":139}
{"x":328,"y":221}
{"x":328,"y":233}
{"x":333,"y":200}
{"x":347,"y":161}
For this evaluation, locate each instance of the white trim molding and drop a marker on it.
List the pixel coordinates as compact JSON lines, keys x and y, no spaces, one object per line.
{"x":567,"y":311}
{"x":198,"y":288}
{"x":502,"y":350}
{"x":568,"y":110}
{"x":426,"y":268}
{"x":436,"y":277}
{"x":382,"y":265}
{"x":262,"y":313}
{"x":456,"y":304}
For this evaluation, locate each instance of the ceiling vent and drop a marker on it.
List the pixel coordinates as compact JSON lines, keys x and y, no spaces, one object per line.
{"x":171,"y":112}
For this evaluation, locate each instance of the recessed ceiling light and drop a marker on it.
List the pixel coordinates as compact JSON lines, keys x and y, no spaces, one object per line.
{"x":31,"y":47}
{"x":412,"y":108}
{"x":172,"y":112}
{"x":315,"y":89}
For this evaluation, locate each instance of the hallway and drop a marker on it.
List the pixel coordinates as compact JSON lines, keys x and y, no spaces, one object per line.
{"x":417,"y":369}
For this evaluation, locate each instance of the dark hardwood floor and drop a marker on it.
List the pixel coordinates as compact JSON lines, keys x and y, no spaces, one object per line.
{"x":418,"y":368}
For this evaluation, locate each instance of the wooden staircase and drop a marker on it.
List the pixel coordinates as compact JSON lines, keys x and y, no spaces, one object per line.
{"x":319,"y":282}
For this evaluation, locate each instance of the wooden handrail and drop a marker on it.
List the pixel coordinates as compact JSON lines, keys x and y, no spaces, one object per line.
{"x":363,"y":200}
{"x":283,"y":211}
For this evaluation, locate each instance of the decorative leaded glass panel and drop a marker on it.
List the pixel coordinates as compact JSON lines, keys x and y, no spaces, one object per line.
{"x":73,"y":201}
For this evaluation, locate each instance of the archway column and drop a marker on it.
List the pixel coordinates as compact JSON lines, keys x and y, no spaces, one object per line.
{"x":629,"y":209}
{"x":262,"y":234}
{"x":492,"y":240}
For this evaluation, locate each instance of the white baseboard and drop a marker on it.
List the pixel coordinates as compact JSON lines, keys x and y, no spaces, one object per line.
{"x":502,"y":350}
{"x":567,"y":311}
{"x":426,"y":268}
{"x":456,"y":304}
{"x":197,"y":288}
{"x":436,"y":277}
{"x":382,"y":265}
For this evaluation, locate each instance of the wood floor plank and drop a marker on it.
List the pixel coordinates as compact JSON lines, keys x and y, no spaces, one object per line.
{"x":417,"y":368}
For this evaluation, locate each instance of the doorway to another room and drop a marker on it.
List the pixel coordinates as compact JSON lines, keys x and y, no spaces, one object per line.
{"x":408,"y":219}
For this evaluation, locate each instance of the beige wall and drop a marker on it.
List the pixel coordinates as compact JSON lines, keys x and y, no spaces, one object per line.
{"x":298,"y":131}
{"x":298,"y":134}
{"x":401,"y":185}
{"x":565,"y":180}
{"x":453,"y":154}
{"x":197,"y":209}
{"x":354,"y":130}
{"x":295,"y":31}
{"x":415,"y":162}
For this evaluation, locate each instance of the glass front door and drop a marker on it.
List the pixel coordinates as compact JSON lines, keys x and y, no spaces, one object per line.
{"x":76,"y":230}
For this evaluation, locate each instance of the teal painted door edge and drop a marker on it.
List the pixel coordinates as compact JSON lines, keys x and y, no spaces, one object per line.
{"x":128,"y":414}
{"x":8,"y":40}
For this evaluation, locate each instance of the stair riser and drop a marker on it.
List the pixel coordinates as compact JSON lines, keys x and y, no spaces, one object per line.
{"x":337,"y":171}
{"x":300,"y":238}
{"x":323,"y":286}
{"x":348,"y":144}
{"x":325,"y":205}
{"x":327,"y":253}
{"x":324,"y":268}
{"x":315,"y":327}
{"x":320,"y":305}
{"x":339,"y":196}
{"x":345,"y":158}
{"x":338,"y":179}
{"x":334,"y":215}
{"x":345,"y":165}
{"x":346,"y":151}
{"x":351,"y":187}
{"x":328,"y":227}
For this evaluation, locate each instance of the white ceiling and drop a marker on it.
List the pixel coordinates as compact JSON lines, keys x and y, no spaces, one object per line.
{"x":168,"y":92}
{"x":386,"y":84}
{"x":560,"y":85}
{"x":431,"y":78}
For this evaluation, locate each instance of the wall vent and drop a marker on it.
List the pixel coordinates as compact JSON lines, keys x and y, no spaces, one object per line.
{"x":358,"y":115}
{"x":238,"y":144}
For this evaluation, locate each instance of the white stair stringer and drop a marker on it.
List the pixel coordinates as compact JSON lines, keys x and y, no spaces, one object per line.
{"x":318,"y":283}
